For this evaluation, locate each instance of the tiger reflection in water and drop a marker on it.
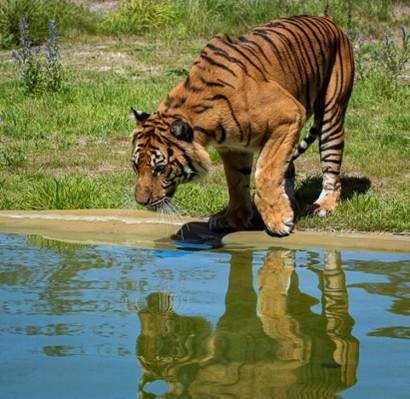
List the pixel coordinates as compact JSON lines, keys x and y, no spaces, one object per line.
{"x":269,"y":345}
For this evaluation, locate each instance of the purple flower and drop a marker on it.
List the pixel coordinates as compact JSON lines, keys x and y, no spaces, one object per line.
{"x":52,"y":51}
{"x":41,"y":70}
{"x":402,"y":31}
{"x":15,"y":56}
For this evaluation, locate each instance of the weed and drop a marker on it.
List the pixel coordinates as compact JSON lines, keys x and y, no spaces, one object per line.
{"x":382,"y":61}
{"x":53,"y":68}
{"x":392,"y":58}
{"x":41,"y":71}
{"x":12,"y":157}
{"x":137,"y":16}
{"x":29,"y":63}
{"x":177,"y":71}
{"x":11,"y":12}
{"x":183,"y":19}
{"x":66,"y":192}
{"x":6,"y":41}
{"x":72,"y":18}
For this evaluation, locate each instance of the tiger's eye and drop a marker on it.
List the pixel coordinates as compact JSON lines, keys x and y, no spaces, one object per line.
{"x":159,"y":169}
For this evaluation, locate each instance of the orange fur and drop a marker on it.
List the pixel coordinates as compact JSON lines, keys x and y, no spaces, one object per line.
{"x":252,"y":94}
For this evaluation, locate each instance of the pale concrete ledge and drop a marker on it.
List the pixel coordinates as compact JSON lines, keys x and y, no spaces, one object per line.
{"x":149,"y":230}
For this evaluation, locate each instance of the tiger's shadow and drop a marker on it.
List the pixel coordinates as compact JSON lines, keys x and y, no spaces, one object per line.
{"x":309,"y":189}
{"x":306,"y":194}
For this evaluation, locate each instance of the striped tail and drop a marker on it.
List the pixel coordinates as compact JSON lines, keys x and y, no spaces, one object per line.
{"x":306,"y":142}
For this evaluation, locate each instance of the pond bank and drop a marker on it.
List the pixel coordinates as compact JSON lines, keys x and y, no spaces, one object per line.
{"x":149,"y":229}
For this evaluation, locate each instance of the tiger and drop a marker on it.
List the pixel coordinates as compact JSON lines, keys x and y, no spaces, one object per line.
{"x":247,"y":94}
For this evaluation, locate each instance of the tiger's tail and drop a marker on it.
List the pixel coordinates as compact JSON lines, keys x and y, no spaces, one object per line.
{"x":306,"y":142}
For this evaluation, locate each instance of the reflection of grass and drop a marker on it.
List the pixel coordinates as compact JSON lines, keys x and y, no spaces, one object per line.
{"x":57,"y":246}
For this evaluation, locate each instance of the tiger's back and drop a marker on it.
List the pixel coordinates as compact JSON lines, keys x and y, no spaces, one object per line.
{"x":298,"y":53}
{"x":255,"y":92}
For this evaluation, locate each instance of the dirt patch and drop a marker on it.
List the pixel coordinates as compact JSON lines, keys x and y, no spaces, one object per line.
{"x":100,"y":7}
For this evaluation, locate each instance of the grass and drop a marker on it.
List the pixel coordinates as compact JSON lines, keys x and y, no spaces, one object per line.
{"x":72,"y":19}
{"x":70,"y":149}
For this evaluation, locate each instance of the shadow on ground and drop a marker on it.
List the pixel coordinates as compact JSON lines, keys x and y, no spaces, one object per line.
{"x":310,"y":188}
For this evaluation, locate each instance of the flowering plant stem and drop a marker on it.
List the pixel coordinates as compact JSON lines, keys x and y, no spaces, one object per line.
{"x":41,"y":69}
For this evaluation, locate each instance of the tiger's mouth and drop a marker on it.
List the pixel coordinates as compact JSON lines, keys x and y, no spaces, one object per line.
{"x":161,"y":204}
{"x":164,"y":202}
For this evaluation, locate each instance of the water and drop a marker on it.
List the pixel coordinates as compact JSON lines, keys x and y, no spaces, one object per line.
{"x":110,"y":322}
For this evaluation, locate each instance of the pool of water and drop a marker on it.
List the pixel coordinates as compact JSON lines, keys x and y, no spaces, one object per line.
{"x":80,"y":321}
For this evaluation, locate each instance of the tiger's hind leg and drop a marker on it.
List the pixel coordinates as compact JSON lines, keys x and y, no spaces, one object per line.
{"x":331,"y":144}
{"x":330,"y":110}
{"x":238,"y":167}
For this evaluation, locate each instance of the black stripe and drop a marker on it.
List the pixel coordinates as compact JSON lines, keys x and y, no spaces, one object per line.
{"x":272,"y":45}
{"x":218,"y":83}
{"x":204,"y":131}
{"x":188,"y":85}
{"x":210,"y":61}
{"x":235,"y":48}
{"x":170,"y":143}
{"x":211,"y":84}
{"x":222,"y":53}
{"x":174,"y":103}
{"x":249,"y":43}
{"x":312,"y":137}
{"x":190,"y":164}
{"x":291,"y":50}
{"x":329,"y":171}
{"x":334,"y":161}
{"x":224,"y":98}
{"x":336,"y":147}
{"x":274,"y":24}
{"x":201,"y":108}
{"x":328,"y":136}
{"x":318,"y":65}
{"x":220,"y":129}
{"x":301,"y":38}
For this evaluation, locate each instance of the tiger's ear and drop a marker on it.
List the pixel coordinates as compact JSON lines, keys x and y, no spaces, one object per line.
{"x":139,"y":116}
{"x":181,"y":130}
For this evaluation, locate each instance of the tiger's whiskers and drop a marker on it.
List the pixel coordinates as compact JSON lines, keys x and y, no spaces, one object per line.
{"x":170,"y":213}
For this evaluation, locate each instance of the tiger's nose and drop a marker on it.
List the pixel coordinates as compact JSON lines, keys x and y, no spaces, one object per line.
{"x":143,"y":197}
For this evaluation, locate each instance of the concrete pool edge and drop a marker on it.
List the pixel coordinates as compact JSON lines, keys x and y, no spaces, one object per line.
{"x":149,"y":230}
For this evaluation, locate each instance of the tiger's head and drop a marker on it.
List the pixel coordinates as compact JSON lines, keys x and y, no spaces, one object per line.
{"x":164,"y":154}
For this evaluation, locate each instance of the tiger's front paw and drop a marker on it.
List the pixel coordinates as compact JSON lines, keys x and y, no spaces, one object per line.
{"x":280,"y":228}
{"x":278,"y":218}
{"x":224,"y":223}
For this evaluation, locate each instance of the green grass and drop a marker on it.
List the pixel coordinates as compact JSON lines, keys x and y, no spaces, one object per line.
{"x":71,"y":18}
{"x":184,"y":19}
{"x":67,"y":192}
{"x":71,"y":149}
